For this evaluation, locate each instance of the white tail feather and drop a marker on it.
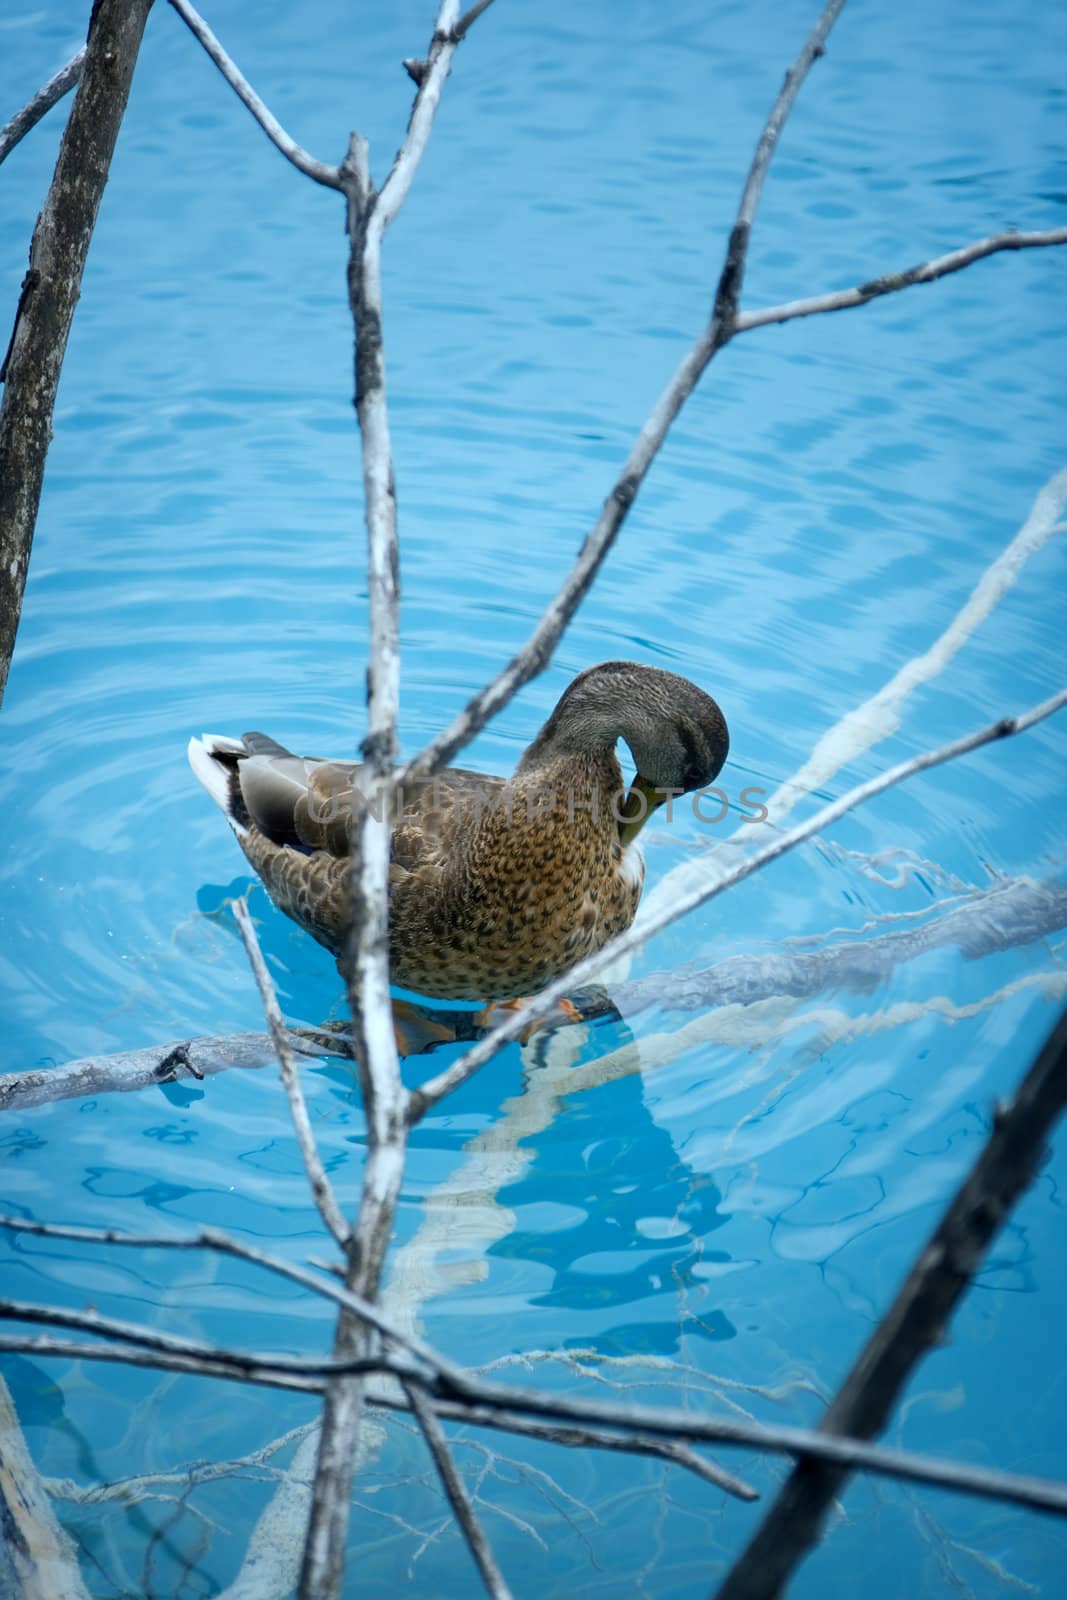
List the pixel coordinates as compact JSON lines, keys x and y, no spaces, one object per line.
{"x":214,"y":777}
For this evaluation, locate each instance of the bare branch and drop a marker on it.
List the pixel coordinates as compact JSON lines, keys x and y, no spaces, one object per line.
{"x":520,"y":1019}
{"x":483,"y":1404}
{"x":468,"y":19}
{"x":50,"y":290}
{"x":729,"y":289}
{"x":987,"y":1483}
{"x":319,"y":171}
{"x":319,"y":1183}
{"x":367,"y":956}
{"x":679,"y":1455}
{"x":457,"y":1496}
{"x":890,"y":282}
{"x":225,"y":1244}
{"x":178,"y":1061}
{"x":395,"y":189}
{"x":190,"y":1364}
{"x":14,"y":131}
{"x":258,"y":1367}
{"x":914,"y":1322}
{"x":536,"y":652}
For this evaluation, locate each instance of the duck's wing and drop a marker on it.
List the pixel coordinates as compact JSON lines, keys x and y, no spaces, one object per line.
{"x":312,"y":804}
{"x":299,"y":801}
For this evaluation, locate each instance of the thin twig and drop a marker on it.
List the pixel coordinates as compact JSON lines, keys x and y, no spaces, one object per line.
{"x":15,"y":130}
{"x":520,"y":1019}
{"x":319,"y":1183}
{"x":191,"y":1365}
{"x":536,"y":652}
{"x":890,"y":282}
{"x":679,"y":1455}
{"x":214,"y":1239}
{"x":456,"y":1494}
{"x":916,"y":1320}
{"x":729,"y":288}
{"x":319,"y":171}
{"x":133,"y":1338}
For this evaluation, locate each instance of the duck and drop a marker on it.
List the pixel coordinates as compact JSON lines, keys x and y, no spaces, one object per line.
{"x":496,"y":885}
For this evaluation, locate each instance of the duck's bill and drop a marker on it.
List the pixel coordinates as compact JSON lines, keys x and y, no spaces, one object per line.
{"x":638,"y":804}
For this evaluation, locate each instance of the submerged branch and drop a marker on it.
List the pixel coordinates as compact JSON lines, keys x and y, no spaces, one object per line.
{"x":179,"y":1061}
{"x":37,"y":1559}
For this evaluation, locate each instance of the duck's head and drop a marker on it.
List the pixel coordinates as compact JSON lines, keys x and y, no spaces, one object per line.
{"x":676,"y":733}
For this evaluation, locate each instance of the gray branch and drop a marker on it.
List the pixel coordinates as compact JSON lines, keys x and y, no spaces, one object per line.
{"x":581,"y":1438}
{"x":319,"y":1184}
{"x":915,"y":1322}
{"x":14,"y":131}
{"x":50,"y":290}
{"x":456,"y":1494}
{"x":319,"y":171}
{"x":487,"y":1405}
{"x":132,"y":1340}
{"x":366,"y":960}
{"x":179,"y":1061}
{"x":1014,"y":913}
{"x":214,"y":1239}
{"x":891,"y":282}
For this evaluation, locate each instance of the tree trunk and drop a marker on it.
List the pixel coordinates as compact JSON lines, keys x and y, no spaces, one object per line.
{"x":51,"y":288}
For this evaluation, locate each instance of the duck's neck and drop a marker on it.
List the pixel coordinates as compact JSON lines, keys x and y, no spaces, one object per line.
{"x":586,"y":789}
{"x":575,"y":732}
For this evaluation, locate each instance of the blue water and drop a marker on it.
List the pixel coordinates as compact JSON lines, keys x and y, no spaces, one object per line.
{"x":824,"y":507}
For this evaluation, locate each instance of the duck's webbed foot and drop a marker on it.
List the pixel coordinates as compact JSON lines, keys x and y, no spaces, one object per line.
{"x":562,"y":1013}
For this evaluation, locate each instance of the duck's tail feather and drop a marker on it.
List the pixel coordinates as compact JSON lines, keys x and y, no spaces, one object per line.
{"x":213,"y":757}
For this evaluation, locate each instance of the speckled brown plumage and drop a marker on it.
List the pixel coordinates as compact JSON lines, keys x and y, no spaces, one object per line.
{"x":496,"y":886}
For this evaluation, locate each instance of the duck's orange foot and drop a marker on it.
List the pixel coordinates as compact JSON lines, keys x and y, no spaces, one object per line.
{"x":563,"y":1012}
{"x":416,"y":1032}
